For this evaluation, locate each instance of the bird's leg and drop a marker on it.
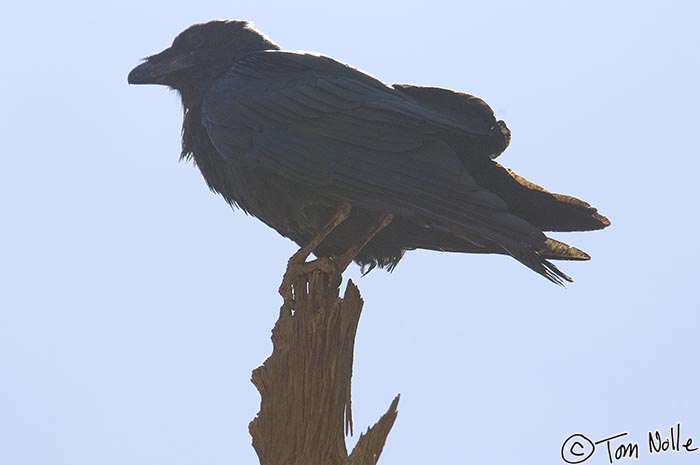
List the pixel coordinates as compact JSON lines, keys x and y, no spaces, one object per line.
{"x":303,"y":253}
{"x":297,"y":264}
{"x":344,"y":260}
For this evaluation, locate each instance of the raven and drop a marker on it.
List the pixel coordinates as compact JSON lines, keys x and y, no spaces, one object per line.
{"x":348,"y":166}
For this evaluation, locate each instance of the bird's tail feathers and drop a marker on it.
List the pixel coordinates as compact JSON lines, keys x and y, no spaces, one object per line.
{"x":556,"y":250}
{"x":536,"y":262}
{"x":557,"y":212}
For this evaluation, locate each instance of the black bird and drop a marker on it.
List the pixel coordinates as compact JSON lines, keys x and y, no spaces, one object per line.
{"x":336,"y":160}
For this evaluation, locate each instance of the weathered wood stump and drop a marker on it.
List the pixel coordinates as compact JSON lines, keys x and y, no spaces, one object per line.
{"x":305,"y":411}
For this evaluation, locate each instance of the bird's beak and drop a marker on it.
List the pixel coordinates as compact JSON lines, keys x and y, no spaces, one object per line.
{"x":156,"y":69}
{"x":146,"y":73}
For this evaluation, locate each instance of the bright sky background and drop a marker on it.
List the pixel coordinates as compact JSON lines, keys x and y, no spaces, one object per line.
{"x":134,"y":303}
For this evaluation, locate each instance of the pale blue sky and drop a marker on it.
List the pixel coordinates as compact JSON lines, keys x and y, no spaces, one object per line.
{"x":134,"y":303}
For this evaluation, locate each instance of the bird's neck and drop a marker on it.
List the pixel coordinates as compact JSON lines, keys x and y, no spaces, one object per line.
{"x":192,"y":130}
{"x":192,"y":98}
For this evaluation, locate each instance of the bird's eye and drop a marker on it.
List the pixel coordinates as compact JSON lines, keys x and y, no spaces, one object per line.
{"x":195,"y":40}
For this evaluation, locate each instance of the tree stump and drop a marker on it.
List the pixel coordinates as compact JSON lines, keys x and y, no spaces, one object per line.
{"x":305,"y":410}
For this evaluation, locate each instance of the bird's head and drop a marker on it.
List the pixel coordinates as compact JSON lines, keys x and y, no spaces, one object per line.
{"x":199,"y":54}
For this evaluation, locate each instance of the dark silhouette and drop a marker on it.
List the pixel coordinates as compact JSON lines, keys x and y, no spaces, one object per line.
{"x":335,"y":159}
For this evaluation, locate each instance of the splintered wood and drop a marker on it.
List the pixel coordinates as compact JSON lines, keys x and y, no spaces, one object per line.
{"x":305,"y":410}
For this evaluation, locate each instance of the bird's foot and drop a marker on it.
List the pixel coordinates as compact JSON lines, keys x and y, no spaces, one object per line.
{"x":298,"y":275}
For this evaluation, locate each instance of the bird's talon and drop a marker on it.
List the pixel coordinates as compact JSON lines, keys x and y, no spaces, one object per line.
{"x":298,"y":271}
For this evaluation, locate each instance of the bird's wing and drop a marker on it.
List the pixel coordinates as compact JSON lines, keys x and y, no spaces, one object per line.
{"x":331,"y":127}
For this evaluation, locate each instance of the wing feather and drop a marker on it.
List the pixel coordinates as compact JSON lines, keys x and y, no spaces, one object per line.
{"x":327,"y":125}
